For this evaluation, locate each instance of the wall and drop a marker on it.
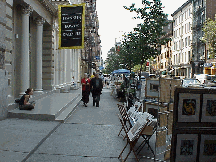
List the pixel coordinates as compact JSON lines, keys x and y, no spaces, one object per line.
{"x":3,"y":93}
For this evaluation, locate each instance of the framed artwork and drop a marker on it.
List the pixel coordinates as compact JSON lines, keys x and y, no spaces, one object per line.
{"x":152,"y":109}
{"x":209,"y":108}
{"x":208,"y":148}
{"x":186,"y":148}
{"x":137,"y":128}
{"x":188,"y":107}
{"x":152,"y":88}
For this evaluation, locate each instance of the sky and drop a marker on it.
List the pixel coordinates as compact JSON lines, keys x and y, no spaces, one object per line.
{"x":114,"y":20}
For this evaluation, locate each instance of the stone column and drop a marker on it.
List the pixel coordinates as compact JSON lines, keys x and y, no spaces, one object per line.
{"x":39,"y":42}
{"x":65,"y":66}
{"x":56,"y":69}
{"x":61,"y":65}
{"x":24,"y":65}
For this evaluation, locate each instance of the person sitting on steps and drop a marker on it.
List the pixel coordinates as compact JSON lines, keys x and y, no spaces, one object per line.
{"x":24,"y":103}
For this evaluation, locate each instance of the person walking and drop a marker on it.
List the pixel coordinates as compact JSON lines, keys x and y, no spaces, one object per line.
{"x":85,"y":89}
{"x":96,"y":86}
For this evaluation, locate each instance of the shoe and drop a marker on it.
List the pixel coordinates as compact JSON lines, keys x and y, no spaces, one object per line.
{"x":97,"y":105}
{"x":86,"y":105}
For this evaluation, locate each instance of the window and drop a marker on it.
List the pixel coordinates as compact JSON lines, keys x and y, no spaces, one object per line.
{"x":188,"y":56}
{"x":182,"y":29}
{"x":182,"y":43}
{"x":179,"y":45}
{"x":174,"y":59}
{"x":186,"y":42}
{"x":189,"y":41}
{"x":189,"y":12}
{"x":189,"y":26}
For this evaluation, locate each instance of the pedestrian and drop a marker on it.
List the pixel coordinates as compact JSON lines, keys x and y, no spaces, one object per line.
{"x":96,"y":86}
{"x":93,"y":75}
{"x":85,"y":89}
{"x":24,"y":103}
{"x":73,"y":84}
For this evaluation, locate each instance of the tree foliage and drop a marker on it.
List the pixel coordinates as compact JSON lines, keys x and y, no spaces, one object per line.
{"x":209,"y":29}
{"x":112,"y":61}
{"x":145,"y":40}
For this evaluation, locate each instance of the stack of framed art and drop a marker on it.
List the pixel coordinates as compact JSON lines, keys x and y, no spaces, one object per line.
{"x":194,"y":125}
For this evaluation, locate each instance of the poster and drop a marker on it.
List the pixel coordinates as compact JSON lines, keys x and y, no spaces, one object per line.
{"x":71,"y":26}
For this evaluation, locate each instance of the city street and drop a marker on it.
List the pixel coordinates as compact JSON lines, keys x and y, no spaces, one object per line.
{"x":89,"y":134}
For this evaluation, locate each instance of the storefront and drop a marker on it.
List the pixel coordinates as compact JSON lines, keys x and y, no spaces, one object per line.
{"x":209,"y":68}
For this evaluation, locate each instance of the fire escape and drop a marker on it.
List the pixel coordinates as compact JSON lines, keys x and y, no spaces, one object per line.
{"x":91,"y":36}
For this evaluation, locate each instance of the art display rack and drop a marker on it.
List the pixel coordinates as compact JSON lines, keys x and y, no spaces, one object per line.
{"x":162,"y":90}
{"x":194,"y":125}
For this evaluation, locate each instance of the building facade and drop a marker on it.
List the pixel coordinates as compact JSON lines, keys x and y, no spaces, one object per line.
{"x":202,"y":10}
{"x":182,"y":38}
{"x":91,"y":53}
{"x":29,"y":51}
{"x":164,"y":62}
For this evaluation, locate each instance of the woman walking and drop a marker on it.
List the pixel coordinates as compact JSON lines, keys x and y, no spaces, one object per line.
{"x":85,"y":89}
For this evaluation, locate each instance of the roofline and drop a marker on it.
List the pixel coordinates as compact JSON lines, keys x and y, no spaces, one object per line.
{"x":180,"y":8}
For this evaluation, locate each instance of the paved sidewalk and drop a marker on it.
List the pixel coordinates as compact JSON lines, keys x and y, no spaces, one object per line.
{"x":19,"y":136}
{"x":89,"y":135}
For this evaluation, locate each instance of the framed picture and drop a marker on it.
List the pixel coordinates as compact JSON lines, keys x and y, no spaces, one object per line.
{"x":186,"y":148}
{"x":152,"y":88}
{"x":208,"y":148}
{"x":209,"y":108}
{"x":188,"y":107}
{"x":152,"y":109}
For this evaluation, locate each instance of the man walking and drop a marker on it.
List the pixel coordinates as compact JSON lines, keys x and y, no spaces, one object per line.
{"x":96,"y":86}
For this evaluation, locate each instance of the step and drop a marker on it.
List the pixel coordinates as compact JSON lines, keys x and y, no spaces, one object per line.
{"x":68,"y":111}
{"x":35,"y":97}
{"x":47,"y":108}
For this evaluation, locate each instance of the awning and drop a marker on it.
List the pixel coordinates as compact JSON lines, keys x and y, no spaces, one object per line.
{"x":207,"y":64}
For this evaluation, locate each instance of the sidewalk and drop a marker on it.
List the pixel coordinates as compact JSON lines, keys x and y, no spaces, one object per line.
{"x":90,"y":134}
{"x":49,"y":107}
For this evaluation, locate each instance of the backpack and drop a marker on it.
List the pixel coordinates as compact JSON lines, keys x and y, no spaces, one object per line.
{"x":17,"y":100}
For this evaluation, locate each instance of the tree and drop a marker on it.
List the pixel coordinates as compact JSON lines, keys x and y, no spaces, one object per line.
{"x":112,"y":61}
{"x":149,"y":32}
{"x":209,"y":29}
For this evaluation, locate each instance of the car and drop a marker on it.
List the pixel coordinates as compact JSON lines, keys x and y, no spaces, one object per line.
{"x":143,"y":78}
{"x":191,"y":82}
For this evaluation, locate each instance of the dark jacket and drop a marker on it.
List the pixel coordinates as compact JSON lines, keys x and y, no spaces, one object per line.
{"x":96,"y":89}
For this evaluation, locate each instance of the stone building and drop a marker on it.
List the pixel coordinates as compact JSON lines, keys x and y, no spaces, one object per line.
{"x":164,"y":62}
{"x":92,"y":51}
{"x":182,"y":37}
{"x":3,"y":50}
{"x":202,"y":10}
{"x":29,"y":52}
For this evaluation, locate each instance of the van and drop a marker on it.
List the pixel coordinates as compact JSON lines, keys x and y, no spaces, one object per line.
{"x":201,"y":77}
{"x":205,"y":78}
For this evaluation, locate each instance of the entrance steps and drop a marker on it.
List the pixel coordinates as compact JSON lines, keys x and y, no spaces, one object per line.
{"x":53,"y":107}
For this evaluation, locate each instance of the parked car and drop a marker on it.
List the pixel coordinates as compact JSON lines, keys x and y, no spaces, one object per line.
{"x":143,"y":78}
{"x":191,"y":82}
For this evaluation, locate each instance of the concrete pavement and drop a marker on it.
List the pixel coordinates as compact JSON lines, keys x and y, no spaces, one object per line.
{"x":90,"y":134}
